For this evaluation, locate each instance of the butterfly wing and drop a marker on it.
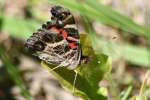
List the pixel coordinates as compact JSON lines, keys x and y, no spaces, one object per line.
{"x":56,"y":42}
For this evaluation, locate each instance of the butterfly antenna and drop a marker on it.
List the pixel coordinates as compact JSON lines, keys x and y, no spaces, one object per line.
{"x":74,"y":82}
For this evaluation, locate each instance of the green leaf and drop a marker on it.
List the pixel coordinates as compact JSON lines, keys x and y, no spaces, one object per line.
{"x":89,"y":74}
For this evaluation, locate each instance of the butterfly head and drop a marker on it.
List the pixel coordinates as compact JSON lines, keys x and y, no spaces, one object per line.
{"x":60,"y":12}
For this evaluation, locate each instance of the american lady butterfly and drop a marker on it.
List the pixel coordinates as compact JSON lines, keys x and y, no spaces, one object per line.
{"x":57,"y":42}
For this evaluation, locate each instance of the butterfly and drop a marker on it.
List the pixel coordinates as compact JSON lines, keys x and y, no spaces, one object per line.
{"x":57,"y":42}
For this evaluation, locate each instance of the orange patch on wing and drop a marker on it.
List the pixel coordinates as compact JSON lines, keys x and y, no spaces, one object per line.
{"x":62,"y":32}
{"x":73,"y":45}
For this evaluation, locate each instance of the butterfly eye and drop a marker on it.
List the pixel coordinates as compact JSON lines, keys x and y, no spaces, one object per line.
{"x":39,"y":46}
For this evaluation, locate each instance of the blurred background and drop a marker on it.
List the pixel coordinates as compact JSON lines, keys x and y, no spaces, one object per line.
{"x":122,"y":27}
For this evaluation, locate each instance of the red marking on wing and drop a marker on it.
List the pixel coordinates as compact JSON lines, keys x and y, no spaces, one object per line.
{"x":73,"y":45}
{"x":63,"y":33}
